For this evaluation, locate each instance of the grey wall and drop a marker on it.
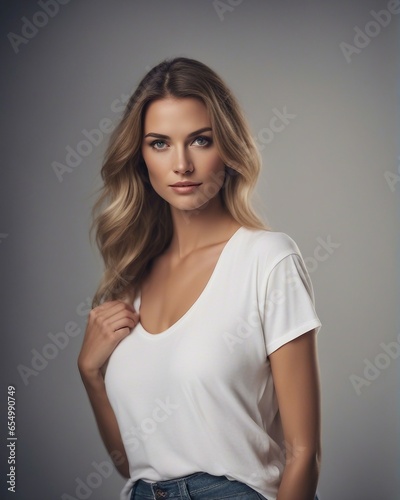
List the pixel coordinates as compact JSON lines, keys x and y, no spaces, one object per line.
{"x":330,"y":180}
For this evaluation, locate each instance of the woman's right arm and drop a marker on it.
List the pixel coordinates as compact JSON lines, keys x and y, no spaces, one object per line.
{"x":108,"y":324}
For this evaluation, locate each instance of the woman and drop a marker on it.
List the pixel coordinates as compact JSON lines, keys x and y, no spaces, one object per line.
{"x":214,"y":391}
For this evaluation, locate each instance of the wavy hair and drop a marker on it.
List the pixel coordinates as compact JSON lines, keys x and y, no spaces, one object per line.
{"x":132,"y":222}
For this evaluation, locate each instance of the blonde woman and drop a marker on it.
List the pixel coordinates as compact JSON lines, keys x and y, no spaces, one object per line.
{"x":199,"y":356}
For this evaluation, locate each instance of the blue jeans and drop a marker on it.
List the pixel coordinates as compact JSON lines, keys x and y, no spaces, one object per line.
{"x":197,"y":486}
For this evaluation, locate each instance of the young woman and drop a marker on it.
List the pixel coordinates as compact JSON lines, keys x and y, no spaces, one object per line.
{"x":199,"y":356}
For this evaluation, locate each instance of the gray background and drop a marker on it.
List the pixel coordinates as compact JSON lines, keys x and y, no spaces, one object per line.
{"x":330,"y":174}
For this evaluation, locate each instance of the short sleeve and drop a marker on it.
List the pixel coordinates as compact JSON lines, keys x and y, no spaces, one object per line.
{"x":289,"y":306}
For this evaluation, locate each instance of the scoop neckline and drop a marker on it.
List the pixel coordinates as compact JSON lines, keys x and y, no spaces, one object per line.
{"x":140,"y":328}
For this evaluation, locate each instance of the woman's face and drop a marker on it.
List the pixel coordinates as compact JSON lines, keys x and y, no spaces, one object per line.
{"x":178,"y":146}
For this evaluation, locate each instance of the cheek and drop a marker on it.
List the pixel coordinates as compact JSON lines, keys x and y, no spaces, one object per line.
{"x":155,"y":165}
{"x":156,"y":178}
{"x":214,"y":169}
{"x":213,"y":178}
{"x":210,"y":162}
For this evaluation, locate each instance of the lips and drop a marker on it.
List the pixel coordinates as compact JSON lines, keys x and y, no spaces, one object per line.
{"x":177,"y":184}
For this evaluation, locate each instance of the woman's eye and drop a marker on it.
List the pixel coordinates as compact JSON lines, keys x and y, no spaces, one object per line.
{"x":202,"y":141}
{"x":199,"y":141}
{"x":157,"y":144}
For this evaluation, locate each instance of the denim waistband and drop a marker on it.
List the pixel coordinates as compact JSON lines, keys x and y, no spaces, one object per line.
{"x":171,"y":487}
{"x":197,"y":483}
{"x":177,"y":488}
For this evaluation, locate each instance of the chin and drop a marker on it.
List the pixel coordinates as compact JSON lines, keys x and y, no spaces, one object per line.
{"x":194,"y":206}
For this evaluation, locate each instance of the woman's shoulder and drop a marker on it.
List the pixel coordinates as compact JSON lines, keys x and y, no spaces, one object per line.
{"x":269,"y":244}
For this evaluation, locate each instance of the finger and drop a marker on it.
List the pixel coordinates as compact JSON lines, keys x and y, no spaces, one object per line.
{"x":110,"y":306}
{"x":118,"y":308}
{"x":121,"y":333}
{"x":129,"y":320}
{"x":123,"y":323}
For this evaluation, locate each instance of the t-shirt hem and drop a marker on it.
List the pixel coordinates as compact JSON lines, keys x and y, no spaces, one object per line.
{"x":297,"y":332}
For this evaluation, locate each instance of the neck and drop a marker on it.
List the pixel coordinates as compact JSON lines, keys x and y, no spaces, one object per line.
{"x":193,"y":229}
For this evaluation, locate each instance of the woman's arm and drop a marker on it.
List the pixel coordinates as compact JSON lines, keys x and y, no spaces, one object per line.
{"x":107,"y":325}
{"x":296,"y":378}
{"x":106,"y":421}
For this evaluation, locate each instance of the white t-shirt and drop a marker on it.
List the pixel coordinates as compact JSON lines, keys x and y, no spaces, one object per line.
{"x":199,"y":396}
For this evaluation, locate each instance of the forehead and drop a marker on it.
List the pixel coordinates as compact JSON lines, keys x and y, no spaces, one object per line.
{"x":172,"y":115}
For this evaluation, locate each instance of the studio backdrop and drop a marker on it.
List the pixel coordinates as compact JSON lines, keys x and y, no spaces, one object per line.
{"x":318,"y":82}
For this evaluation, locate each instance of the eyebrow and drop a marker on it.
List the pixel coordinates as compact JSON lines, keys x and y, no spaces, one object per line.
{"x":162,"y":136}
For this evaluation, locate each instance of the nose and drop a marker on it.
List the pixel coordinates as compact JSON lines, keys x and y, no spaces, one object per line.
{"x":183,"y":162}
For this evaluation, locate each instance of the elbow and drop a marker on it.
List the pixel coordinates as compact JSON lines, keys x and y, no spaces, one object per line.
{"x":314,"y":457}
{"x":314,"y":462}
{"x":317,"y":456}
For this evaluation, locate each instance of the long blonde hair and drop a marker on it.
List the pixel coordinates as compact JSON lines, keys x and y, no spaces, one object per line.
{"x":133,"y":223}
